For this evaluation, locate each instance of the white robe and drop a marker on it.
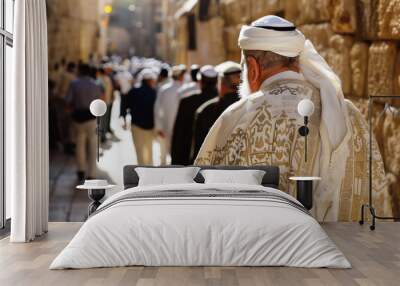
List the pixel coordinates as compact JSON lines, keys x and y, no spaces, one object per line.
{"x":166,"y":108}
{"x":261,"y":129}
{"x":124,"y":79}
{"x":188,"y":89}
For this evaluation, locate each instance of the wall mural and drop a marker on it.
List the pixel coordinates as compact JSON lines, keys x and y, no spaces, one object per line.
{"x":359,"y":40}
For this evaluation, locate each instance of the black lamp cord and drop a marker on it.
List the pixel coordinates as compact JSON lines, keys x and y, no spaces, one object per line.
{"x":303,"y":131}
{"x":305,"y":138}
{"x":98,"y":131}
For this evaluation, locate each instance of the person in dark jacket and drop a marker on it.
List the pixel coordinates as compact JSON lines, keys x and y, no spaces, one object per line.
{"x":183,"y":128}
{"x":208,"y":112}
{"x":140,"y":101}
{"x":81,"y":92}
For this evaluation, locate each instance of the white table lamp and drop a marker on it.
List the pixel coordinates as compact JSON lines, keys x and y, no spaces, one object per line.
{"x":98,"y":108}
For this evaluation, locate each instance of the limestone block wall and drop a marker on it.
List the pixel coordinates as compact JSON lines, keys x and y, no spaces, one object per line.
{"x":210,"y":42}
{"x":208,"y":35}
{"x":359,"y":39}
{"x":75,"y":29}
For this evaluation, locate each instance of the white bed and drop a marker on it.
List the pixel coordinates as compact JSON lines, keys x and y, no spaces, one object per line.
{"x":267,"y":229}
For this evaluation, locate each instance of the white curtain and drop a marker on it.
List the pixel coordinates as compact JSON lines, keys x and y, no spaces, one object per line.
{"x":27,"y":124}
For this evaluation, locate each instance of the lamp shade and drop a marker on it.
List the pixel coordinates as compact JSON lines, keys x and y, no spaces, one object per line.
{"x":305,"y":108}
{"x":98,"y":107}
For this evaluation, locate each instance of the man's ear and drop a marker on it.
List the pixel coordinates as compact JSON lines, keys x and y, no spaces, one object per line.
{"x":253,"y":72}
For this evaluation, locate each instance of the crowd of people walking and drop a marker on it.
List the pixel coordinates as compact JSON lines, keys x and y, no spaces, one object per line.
{"x":175,"y":106}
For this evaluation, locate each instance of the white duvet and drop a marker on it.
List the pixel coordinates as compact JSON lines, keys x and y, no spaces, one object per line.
{"x":200,"y":231}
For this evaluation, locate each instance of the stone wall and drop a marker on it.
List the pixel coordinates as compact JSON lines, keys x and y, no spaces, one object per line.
{"x":167,"y":42}
{"x":76,"y":29}
{"x":360,"y":41}
{"x":208,"y":35}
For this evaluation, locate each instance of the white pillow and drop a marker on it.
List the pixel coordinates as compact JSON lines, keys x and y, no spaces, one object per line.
{"x":248,"y":177}
{"x":165,"y":176}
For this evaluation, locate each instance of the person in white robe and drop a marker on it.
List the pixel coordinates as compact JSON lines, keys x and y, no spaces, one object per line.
{"x":280,"y":68}
{"x":192,"y":86}
{"x":163,"y":76}
{"x":124,"y":79}
{"x":165,"y":110}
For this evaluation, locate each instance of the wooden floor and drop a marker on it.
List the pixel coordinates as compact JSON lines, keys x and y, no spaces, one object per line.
{"x":375,"y":257}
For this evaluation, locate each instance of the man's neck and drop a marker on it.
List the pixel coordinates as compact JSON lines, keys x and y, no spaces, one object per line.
{"x":273,"y":71}
{"x":285,"y":75}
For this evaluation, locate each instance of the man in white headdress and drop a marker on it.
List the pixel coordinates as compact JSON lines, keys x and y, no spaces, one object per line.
{"x":165,"y":110}
{"x":280,"y":68}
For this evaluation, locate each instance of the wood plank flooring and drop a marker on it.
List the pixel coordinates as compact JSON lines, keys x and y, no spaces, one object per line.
{"x":375,"y":257}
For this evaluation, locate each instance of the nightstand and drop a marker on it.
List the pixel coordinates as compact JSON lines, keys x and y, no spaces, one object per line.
{"x":304,"y":192}
{"x":96,"y":192}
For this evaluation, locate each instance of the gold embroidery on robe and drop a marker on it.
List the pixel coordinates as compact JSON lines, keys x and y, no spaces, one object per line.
{"x":270,"y":137}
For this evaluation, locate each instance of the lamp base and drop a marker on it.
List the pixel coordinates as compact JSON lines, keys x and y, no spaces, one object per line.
{"x":95,"y":196}
{"x":305,"y":193}
{"x":373,"y":216}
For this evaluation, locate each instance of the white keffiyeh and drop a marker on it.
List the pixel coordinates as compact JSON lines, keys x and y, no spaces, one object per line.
{"x":290,"y":42}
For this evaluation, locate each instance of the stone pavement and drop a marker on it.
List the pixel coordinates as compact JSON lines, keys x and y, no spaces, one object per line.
{"x":67,"y":203}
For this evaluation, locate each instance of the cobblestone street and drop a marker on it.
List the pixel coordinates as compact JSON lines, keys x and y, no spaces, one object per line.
{"x":69,"y":204}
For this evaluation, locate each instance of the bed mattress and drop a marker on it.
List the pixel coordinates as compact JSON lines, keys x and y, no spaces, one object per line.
{"x":201,"y":225}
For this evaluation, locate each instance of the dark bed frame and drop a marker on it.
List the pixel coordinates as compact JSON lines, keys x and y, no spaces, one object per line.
{"x":270,"y":179}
